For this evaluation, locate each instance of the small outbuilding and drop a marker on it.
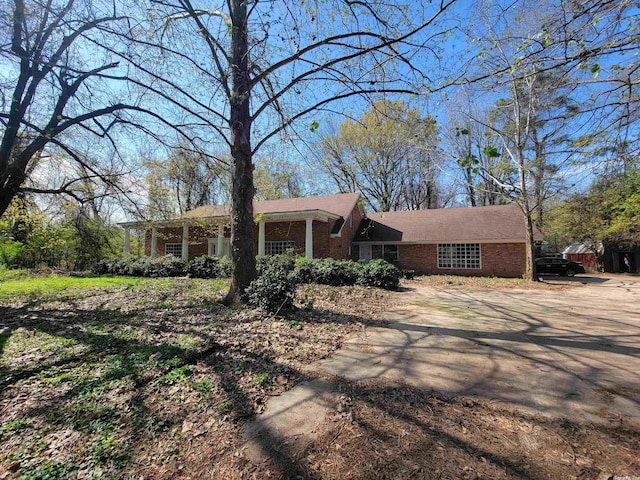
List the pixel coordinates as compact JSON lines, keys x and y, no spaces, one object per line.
{"x":582,"y":253}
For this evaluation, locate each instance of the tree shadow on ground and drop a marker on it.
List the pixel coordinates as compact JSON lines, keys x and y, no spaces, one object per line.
{"x":400,"y":431}
{"x":102,"y":381}
{"x":117,"y":394}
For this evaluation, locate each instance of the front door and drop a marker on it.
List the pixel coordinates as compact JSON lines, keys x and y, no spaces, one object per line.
{"x":213,"y":247}
{"x":365,"y":252}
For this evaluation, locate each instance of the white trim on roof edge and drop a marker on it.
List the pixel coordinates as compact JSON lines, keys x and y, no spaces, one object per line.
{"x":294,"y":216}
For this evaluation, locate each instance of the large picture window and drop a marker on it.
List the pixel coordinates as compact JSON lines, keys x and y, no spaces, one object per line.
{"x":174,"y":249}
{"x":278,"y":247}
{"x":459,"y":255}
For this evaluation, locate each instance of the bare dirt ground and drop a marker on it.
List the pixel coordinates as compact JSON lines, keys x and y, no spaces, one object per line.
{"x":162,"y":382}
{"x":477,"y":378}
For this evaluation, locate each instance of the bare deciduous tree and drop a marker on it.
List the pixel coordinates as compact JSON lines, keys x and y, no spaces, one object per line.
{"x":389,"y":155}
{"x":534,"y":56}
{"x":51,"y":86}
{"x":274,"y":63}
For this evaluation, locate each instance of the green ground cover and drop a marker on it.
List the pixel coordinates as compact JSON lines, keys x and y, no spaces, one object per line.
{"x":22,"y":284}
{"x":115,"y":377}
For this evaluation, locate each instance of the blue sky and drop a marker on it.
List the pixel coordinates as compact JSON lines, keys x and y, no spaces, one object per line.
{"x":446,"y":53}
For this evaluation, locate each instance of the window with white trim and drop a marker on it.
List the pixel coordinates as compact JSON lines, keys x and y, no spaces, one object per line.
{"x":278,"y":247}
{"x":459,"y":255}
{"x":174,"y":249}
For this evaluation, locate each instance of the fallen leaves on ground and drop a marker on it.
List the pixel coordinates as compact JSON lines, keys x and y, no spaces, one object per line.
{"x":157,"y":381}
{"x":154,"y":381}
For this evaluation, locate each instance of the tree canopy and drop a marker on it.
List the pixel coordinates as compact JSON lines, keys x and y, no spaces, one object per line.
{"x":390,"y":155}
{"x":273,"y":63}
{"x":608,"y":213}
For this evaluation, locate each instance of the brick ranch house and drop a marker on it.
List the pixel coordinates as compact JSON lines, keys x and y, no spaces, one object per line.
{"x":487,"y":241}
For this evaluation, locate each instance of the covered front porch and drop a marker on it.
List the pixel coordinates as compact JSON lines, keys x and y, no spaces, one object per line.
{"x":214,"y":232}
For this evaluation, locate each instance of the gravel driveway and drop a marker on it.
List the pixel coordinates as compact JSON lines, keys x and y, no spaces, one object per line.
{"x":572,"y":353}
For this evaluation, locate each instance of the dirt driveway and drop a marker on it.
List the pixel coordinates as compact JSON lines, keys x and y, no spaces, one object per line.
{"x":541,"y":383}
{"x":572,"y":353}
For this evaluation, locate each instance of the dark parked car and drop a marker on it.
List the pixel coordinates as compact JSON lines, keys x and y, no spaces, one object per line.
{"x":561,"y":266}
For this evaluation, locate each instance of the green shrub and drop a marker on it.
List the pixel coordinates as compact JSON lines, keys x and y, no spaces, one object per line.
{"x":303,"y":270}
{"x":275,"y":287}
{"x":328,"y":271}
{"x":10,"y":252}
{"x":225,"y":267}
{"x":278,"y":275}
{"x":113,"y":266}
{"x":205,"y":267}
{"x":379,"y":273}
{"x":285,"y":262}
{"x":168,"y":266}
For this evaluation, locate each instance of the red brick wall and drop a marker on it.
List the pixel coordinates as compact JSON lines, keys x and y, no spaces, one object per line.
{"x":323,"y":245}
{"x":497,"y":260}
{"x":340,"y":247}
{"x":281,"y":231}
{"x":164,"y":236}
{"x":198,"y":239}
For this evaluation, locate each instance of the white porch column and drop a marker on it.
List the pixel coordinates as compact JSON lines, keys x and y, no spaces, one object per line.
{"x":185,"y":242}
{"x":261,"y":238}
{"x":127,"y":240}
{"x":220,"y":239}
{"x":308,"y":239}
{"x":154,"y":242}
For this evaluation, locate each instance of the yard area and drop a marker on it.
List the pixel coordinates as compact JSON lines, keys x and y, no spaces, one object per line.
{"x":117,"y":377}
{"x":114,"y":377}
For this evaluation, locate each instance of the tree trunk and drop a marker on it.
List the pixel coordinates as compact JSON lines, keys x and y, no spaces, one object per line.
{"x":9,"y":187}
{"x":530,"y":246}
{"x":242,"y":189}
{"x":471,"y":192}
{"x":531,"y":273}
{"x":538,"y":172}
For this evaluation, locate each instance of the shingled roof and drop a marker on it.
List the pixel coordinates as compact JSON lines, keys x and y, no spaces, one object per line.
{"x":497,"y":223}
{"x":339,"y":204}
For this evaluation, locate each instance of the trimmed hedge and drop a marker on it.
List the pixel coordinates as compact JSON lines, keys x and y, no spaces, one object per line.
{"x":327,"y":271}
{"x":167,"y":266}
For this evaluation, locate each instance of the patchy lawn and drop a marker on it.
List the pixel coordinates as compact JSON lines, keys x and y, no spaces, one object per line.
{"x":21,"y":285}
{"x":116,"y":377}
{"x":140,"y":378}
